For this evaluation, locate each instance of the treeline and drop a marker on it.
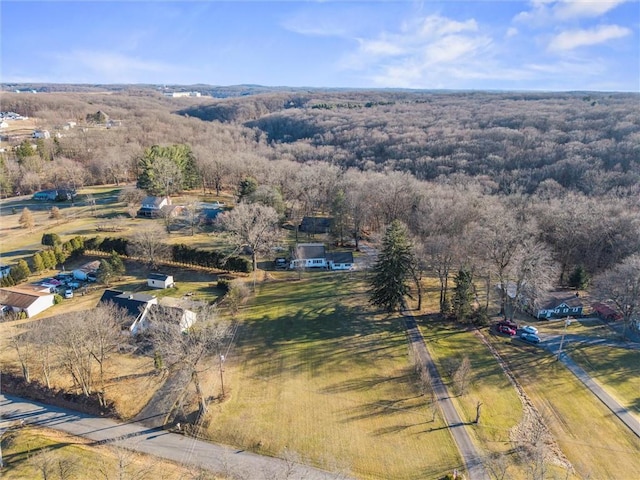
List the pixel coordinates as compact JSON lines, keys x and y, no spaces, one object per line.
{"x":178,"y":253}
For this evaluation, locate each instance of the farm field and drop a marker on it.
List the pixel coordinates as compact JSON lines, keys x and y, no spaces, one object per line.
{"x":317,"y":374}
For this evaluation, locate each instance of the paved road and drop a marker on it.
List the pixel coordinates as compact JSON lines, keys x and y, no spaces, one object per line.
{"x":155,"y":441}
{"x":470,"y":456}
{"x":552,"y":343}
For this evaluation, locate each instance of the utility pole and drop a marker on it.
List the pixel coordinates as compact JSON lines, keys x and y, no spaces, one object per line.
{"x":567,"y":322}
{"x":221,"y":375}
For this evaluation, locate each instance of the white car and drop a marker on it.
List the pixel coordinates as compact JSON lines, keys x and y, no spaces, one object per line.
{"x":530,"y":329}
{"x":68,"y":293}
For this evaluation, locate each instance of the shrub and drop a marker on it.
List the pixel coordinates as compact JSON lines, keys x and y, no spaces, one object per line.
{"x":51,"y":239}
{"x":57,"y":299}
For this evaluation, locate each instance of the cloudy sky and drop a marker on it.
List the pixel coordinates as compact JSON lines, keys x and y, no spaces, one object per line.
{"x":478,"y":44}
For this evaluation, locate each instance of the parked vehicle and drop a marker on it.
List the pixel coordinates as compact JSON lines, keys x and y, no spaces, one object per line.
{"x":529,"y":329}
{"x":508,"y":323}
{"x":506,"y":330}
{"x":530,"y":337}
{"x":68,"y":293}
{"x":281,"y":263}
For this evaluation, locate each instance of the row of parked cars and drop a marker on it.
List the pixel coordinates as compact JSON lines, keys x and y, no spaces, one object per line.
{"x":527,"y":333}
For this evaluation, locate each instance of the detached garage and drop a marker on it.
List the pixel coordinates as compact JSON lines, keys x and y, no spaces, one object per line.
{"x":160,"y":280}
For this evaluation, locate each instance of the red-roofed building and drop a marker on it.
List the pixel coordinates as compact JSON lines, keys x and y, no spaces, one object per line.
{"x":605,"y":312}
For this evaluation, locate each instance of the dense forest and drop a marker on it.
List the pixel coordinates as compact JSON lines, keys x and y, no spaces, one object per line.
{"x":523,"y":178}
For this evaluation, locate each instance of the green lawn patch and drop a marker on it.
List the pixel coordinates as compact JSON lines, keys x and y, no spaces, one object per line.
{"x":616,"y":369}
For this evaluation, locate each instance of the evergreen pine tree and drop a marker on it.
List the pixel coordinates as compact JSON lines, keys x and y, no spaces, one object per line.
{"x":21,"y":271}
{"x":38,"y":263}
{"x":579,"y":278}
{"x":105,"y":272}
{"x":116,"y":263}
{"x":392,"y":271}
{"x":463,"y":295}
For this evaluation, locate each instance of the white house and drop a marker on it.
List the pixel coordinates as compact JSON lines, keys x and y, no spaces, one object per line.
{"x":340,"y":260}
{"x":82,"y":272}
{"x":26,"y":299}
{"x":151,"y":206}
{"x":308,"y":255}
{"x":41,"y":134}
{"x":160,"y":280}
{"x":136,"y":305}
{"x":171,"y":308}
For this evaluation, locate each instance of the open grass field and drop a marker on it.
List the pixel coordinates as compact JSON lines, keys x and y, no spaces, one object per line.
{"x":501,"y":408}
{"x":595,"y":442}
{"x":616,"y":369}
{"x":315,"y":372}
{"x":30,"y":453}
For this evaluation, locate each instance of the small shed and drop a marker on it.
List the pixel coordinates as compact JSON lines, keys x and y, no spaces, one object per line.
{"x":160,"y":280}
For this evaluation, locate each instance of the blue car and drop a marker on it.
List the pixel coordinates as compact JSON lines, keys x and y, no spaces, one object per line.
{"x":530,"y":337}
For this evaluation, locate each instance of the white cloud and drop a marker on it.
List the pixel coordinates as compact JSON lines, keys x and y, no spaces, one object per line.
{"x":572,"y":39}
{"x":567,"y":9}
{"x":544,"y":11}
{"x":511,"y":32}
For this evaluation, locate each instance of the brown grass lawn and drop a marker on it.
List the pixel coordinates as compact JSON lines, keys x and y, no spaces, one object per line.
{"x":596,"y":443}
{"x":316,"y":372}
{"x":21,"y":449}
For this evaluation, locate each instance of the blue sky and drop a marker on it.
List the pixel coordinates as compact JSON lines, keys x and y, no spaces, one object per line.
{"x":498,"y":45}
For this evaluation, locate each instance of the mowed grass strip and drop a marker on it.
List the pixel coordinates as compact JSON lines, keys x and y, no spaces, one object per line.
{"x":596,"y":443}
{"x":501,"y":407}
{"x":316,"y":373}
{"x":617,"y":370}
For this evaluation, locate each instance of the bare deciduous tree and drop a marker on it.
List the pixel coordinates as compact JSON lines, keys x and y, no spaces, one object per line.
{"x":191,"y":349}
{"x":621,"y":285}
{"x":462,"y":376}
{"x":253,"y":226}
{"x":149,"y":245}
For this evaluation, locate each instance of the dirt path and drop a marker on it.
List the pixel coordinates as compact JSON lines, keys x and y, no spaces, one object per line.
{"x":532,"y":423}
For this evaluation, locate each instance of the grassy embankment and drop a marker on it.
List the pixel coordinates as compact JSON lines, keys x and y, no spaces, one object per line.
{"x":31,"y":452}
{"x":315,"y":372}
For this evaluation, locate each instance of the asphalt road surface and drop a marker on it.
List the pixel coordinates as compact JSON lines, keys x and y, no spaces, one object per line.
{"x":155,"y":441}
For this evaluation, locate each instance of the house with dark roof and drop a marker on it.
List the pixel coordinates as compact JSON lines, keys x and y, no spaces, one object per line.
{"x":316,"y":224}
{"x":29,"y":299}
{"x":557,"y":307}
{"x":160,"y":280}
{"x":136,"y":305}
{"x":308,"y":255}
{"x":340,"y":260}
